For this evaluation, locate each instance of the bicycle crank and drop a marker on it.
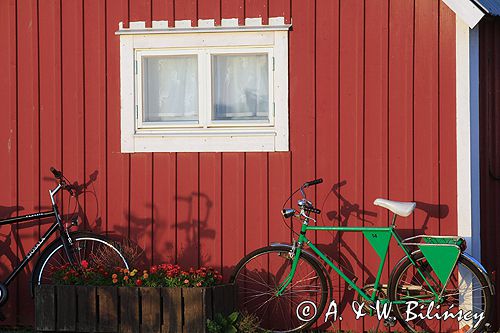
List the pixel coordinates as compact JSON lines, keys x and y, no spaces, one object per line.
{"x":368,"y":289}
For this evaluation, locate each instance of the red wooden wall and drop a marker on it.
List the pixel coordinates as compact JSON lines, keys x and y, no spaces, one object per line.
{"x":372,"y":107}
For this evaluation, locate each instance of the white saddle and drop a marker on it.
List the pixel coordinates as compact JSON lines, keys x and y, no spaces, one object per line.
{"x":397,"y":207}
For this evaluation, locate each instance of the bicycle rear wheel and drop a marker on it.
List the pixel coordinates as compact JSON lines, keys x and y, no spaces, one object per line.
{"x":466,"y":291}
{"x":89,"y":250}
{"x":258,"y":277}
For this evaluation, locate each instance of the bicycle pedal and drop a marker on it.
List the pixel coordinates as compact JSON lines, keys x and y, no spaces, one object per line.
{"x":390,"y":321}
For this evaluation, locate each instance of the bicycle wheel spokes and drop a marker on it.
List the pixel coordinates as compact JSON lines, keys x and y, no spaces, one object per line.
{"x":259,"y":279}
{"x":90,"y":252}
{"x":459,"y":306}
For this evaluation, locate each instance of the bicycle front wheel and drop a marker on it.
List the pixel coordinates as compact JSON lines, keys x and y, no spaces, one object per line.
{"x":463,"y":304}
{"x":258,"y":277}
{"x":89,"y":250}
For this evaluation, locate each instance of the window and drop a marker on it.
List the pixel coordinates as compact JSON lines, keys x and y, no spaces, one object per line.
{"x":208,"y":88}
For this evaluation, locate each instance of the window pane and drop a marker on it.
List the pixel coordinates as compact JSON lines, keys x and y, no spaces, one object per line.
{"x":170,"y":88}
{"x":240,"y":87}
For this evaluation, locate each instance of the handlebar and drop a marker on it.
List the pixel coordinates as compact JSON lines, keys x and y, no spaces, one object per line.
{"x":312,"y":182}
{"x":62,"y":181}
{"x":312,"y":210}
{"x":57,"y":174}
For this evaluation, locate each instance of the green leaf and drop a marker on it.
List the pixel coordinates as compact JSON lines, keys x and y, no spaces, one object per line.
{"x":231,"y":329}
{"x":233,"y":317}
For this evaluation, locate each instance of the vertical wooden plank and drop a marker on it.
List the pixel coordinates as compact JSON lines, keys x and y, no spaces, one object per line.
{"x":45,"y":305}
{"x":72,"y":93}
{"x":210,"y":209}
{"x":151,"y":310}
{"x":218,"y":300}
{"x":352,"y":124}
{"x":140,"y":218}
{"x":117,"y":171}
{"x":194,"y":316}
{"x":426,"y":118}
{"x":8,"y":149}
{"x":302,"y":103}
{"x":375,"y":133}
{"x":256,"y":197}
{"x":95,"y":114}
{"x":164,"y":208}
{"x":187,"y":209}
{"x":209,"y":9}
{"x":187,"y":10}
{"x":302,"y":94}
{"x":163,"y":10}
{"x":86,"y":305}
{"x":28,"y":136}
{"x":141,"y":11}
{"x":233,"y":218}
{"x":279,"y":191}
{"x":280,"y":8}
{"x":446,"y":141}
{"x":328,"y":132}
{"x":233,"y":9}
{"x":401,"y":19}
{"x":447,"y":116}
{"x":107,"y":300}
{"x":66,"y":308}
{"x":223,"y":299}
{"x":400,"y":103}
{"x":172,"y":310}
{"x":257,"y":8}
{"x":129,"y":309}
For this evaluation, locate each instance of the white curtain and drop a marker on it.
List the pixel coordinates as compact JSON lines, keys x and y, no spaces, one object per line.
{"x":170,"y":88}
{"x":240,"y":87}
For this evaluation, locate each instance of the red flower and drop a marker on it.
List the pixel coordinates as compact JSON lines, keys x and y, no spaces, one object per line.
{"x":85,"y":264}
{"x":138,"y":282}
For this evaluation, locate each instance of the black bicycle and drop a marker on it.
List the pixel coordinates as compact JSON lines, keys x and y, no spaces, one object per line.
{"x":78,"y":249}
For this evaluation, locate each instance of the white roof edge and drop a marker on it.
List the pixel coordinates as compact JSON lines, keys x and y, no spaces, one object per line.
{"x":466,"y":10}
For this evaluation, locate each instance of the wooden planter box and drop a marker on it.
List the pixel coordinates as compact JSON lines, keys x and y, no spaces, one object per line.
{"x":130,"y":309}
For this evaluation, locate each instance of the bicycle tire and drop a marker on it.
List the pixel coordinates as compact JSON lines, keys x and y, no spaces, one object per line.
{"x":261,"y":271}
{"x":54,"y":256}
{"x":465,"y":281}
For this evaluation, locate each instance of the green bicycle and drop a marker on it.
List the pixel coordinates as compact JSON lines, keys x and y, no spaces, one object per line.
{"x":435,"y":287}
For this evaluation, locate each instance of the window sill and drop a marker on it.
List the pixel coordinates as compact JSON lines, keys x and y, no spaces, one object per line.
{"x":261,"y":141}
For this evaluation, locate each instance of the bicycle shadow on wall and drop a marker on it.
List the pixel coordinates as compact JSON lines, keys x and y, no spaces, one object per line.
{"x":190,"y":230}
{"x":72,"y":207}
{"x":351,"y":214}
{"x":7,"y":247}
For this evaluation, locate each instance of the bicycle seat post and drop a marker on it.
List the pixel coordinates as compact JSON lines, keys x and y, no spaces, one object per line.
{"x":394,"y":219}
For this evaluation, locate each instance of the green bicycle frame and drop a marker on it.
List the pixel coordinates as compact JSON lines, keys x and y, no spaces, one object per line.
{"x":379,"y":238}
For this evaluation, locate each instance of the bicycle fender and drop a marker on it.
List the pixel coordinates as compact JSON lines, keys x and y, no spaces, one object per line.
{"x":482,"y":270}
{"x":468,"y":256}
{"x":313,"y":258}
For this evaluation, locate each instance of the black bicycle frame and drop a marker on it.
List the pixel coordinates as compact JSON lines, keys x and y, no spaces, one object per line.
{"x":31,"y":217}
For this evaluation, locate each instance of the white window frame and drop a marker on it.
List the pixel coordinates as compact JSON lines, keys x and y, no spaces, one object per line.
{"x":206,"y":40}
